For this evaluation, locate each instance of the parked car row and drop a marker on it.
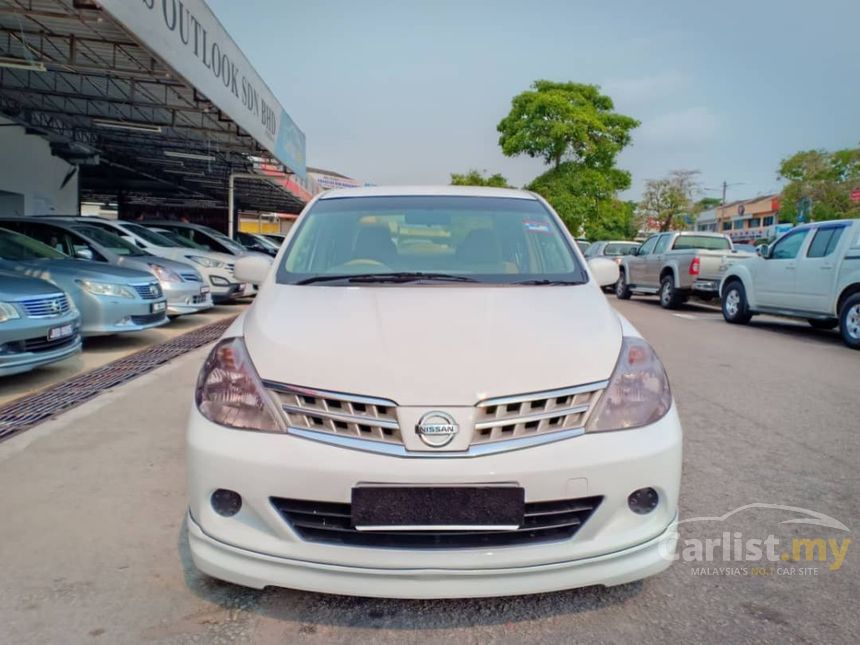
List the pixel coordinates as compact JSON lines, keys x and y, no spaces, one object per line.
{"x":812,"y":272}
{"x":67,"y":277}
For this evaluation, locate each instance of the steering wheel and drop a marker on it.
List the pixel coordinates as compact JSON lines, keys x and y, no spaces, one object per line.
{"x":356,"y":262}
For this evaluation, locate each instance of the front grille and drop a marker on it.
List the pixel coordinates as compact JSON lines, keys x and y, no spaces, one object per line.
{"x":337,"y":413}
{"x":147,"y":292}
{"x":148,"y":319}
{"x":525,"y":415}
{"x":45,"y":345}
{"x":46,"y":307}
{"x":190,"y":277}
{"x":331,"y":523}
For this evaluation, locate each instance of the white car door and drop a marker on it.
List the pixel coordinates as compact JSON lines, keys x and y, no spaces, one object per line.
{"x":776,"y":276}
{"x":818,"y":267}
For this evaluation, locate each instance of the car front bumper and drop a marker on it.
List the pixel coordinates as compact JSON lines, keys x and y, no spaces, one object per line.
{"x":26,"y":361}
{"x":257,"y":547}
{"x":186,"y":298}
{"x":103,"y":316}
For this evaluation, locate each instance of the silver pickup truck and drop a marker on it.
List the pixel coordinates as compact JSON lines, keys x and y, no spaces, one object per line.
{"x":676,"y":265}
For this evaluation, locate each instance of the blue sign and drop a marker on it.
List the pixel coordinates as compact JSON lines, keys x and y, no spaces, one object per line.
{"x":290,"y":145}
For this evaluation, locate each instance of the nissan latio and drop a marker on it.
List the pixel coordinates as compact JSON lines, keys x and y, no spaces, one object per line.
{"x":431,"y":397}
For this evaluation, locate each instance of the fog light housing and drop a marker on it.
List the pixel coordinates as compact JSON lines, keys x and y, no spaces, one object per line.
{"x":643,"y":501}
{"x":218,"y":281}
{"x":226,"y":502}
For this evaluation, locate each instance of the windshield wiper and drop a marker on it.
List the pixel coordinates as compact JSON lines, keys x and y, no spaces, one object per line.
{"x":397,"y":277}
{"x":540,"y":282}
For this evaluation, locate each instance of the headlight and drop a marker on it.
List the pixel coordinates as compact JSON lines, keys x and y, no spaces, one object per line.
{"x":229,"y":391}
{"x":638,"y":392}
{"x":206,"y":262}
{"x":8,"y":312}
{"x":106,"y":289}
{"x":164,"y":274}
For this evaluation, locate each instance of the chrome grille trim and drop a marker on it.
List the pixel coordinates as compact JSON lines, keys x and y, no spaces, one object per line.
{"x":395,"y":450}
{"x":46,"y":306}
{"x":504,"y":419}
{"x":145,"y":290}
{"x":368,"y":419}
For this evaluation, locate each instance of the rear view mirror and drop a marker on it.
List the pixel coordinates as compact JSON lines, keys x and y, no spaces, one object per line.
{"x":252,"y":268}
{"x":604,"y":270}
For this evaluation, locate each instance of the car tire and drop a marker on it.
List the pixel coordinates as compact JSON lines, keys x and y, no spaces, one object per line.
{"x":849,"y":321}
{"x":736,"y":309}
{"x":622,"y":291}
{"x":670,"y":297}
{"x":822,"y":324}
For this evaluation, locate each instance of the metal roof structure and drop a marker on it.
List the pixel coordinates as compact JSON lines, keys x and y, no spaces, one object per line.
{"x":73,"y":74}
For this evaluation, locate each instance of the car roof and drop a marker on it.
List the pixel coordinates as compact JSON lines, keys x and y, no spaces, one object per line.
{"x":448,"y":191}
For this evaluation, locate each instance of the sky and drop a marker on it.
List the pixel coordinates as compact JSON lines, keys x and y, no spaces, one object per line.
{"x":409,"y":91}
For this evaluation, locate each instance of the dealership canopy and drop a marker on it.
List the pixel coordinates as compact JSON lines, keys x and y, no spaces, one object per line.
{"x":152,"y":99}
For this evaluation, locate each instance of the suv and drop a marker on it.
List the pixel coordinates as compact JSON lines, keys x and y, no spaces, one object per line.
{"x":811,"y":272}
{"x":677,"y":265}
{"x":431,"y":397}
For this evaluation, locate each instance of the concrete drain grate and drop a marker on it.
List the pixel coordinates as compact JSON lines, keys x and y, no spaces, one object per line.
{"x":28,"y":411}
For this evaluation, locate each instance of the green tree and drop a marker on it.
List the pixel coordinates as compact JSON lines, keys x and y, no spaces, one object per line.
{"x":477,"y":178}
{"x":823,"y":179}
{"x":665,"y":200}
{"x":559,"y":122}
{"x":584,"y":198}
{"x":574,"y":129}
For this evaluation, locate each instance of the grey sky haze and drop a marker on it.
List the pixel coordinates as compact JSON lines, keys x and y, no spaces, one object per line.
{"x":409,"y":91}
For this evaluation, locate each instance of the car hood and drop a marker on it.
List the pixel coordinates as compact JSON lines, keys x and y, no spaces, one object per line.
{"x":142,"y":262}
{"x":14,"y":286}
{"x":57,"y":269}
{"x":433,"y":345}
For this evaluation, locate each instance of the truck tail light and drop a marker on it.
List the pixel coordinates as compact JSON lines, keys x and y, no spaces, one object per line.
{"x":694,"y":267}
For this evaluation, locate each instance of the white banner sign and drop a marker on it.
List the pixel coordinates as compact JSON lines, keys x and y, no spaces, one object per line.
{"x":187,"y":36}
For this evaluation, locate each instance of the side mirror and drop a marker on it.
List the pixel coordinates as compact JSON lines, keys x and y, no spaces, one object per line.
{"x":604,"y":270}
{"x":764,"y":251}
{"x":252,"y":268}
{"x":83,"y":253}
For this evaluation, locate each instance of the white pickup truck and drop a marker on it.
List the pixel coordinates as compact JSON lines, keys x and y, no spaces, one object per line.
{"x":677,"y":265}
{"x":811,"y":272}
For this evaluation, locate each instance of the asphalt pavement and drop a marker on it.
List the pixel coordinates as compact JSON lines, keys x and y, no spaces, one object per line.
{"x":92,"y":545}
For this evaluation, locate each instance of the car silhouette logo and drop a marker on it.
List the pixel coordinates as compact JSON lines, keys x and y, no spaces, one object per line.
{"x":437,"y":429}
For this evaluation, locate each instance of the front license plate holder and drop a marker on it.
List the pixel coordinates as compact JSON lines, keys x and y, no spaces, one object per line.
{"x":410,"y":508}
{"x":55,"y":333}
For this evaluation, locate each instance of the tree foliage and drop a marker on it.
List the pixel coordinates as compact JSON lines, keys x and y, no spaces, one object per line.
{"x":664,"y":200}
{"x":477,"y":178}
{"x":559,"y":122}
{"x":574,"y":129}
{"x":826,"y":179}
{"x":584,"y":196}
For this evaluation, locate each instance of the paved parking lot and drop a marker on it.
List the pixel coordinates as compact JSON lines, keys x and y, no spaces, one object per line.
{"x":93,"y":548}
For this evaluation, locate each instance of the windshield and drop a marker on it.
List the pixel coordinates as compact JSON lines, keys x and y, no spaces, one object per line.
{"x":616,"y":249}
{"x":109,"y":241}
{"x":493,"y":240}
{"x":150,"y":237}
{"x":14,"y":246}
{"x":235,"y":247}
{"x":706,"y":242}
{"x":180,"y":240}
